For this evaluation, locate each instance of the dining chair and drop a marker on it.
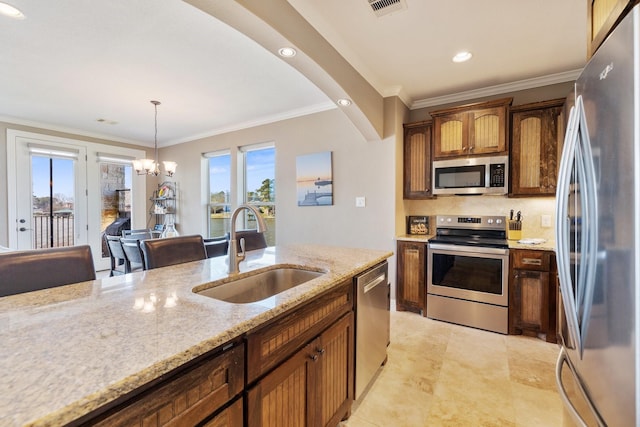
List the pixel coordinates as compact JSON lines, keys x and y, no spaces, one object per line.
{"x":216,"y":246}
{"x":142,"y":233}
{"x":133,"y":253}
{"x":252,"y":239}
{"x":172,"y":250}
{"x":119,"y":263}
{"x":32,"y":270}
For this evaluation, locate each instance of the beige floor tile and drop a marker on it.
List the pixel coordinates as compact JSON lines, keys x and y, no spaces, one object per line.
{"x":439,"y":374}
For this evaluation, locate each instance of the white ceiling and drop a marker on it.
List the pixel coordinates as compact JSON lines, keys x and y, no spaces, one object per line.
{"x":73,"y":62}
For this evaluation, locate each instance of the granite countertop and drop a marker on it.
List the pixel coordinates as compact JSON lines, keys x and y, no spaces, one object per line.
{"x":69,"y":350}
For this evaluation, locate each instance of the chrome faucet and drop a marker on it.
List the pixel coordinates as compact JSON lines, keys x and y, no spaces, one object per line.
{"x":234,"y":257}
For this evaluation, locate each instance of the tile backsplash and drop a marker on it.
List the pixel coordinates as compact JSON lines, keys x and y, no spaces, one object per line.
{"x":532,"y":209}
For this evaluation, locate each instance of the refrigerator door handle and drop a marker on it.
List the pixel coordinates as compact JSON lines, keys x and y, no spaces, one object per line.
{"x":562,"y":226}
{"x":589,"y":199}
{"x":562,"y":360}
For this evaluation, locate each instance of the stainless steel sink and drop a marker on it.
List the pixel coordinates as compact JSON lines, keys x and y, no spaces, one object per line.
{"x":260,"y":286}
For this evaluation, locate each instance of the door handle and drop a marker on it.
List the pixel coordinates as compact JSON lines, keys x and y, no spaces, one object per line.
{"x":374,"y":283}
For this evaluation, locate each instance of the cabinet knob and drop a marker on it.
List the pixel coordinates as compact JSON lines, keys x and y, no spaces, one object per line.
{"x":313,"y":357}
{"x":320,"y":351}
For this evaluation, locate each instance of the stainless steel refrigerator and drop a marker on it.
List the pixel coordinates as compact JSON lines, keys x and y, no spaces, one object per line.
{"x":598,"y":237}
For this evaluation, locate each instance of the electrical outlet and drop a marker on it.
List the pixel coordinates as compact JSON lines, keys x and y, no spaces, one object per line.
{"x":360,"y":202}
{"x":545,"y":221}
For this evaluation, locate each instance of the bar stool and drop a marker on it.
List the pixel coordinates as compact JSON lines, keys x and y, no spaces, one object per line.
{"x":172,"y":250}
{"x":32,"y":270}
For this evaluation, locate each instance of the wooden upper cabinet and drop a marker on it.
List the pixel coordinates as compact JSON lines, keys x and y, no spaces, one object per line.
{"x":537,"y":133}
{"x":603,"y":16}
{"x":417,"y":160}
{"x":473,"y":129}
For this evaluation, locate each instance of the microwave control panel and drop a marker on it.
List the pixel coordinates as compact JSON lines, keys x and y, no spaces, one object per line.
{"x":496,"y":174}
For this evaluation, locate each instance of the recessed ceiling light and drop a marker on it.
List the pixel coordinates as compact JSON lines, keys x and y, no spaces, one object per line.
{"x":287,"y":52}
{"x":344,"y":102}
{"x":462,"y":56}
{"x":10,"y":11}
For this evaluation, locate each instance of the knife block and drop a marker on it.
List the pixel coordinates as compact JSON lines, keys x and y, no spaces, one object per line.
{"x":514,"y":232}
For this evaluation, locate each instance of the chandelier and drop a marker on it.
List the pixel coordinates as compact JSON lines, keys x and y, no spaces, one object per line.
{"x":151,"y":166}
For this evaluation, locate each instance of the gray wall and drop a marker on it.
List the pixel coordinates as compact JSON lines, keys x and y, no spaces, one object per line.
{"x":360,"y":168}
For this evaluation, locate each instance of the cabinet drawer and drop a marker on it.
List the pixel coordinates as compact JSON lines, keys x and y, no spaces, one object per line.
{"x":186,"y":399}
{"x":531,"y":260}
{"x":273,"y":343}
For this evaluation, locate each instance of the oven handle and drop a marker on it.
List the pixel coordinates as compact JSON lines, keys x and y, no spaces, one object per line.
{"x":468,"y":249}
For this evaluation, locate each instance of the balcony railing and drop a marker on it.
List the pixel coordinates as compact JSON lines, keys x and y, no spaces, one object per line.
{"x":53,"y":232}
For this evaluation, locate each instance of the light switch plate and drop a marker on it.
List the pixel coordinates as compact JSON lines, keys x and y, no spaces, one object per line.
{"x":360,"y":202}
{"x":545,"y":221}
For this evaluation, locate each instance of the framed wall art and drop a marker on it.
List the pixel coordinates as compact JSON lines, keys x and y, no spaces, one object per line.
{"x":314,"y":179}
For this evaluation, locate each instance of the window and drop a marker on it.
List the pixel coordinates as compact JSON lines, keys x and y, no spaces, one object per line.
{"x":219,"y":193}
{"x":255,"y":183}
{"x":259,"y":186}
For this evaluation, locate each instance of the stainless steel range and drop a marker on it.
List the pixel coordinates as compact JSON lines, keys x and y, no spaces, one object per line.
{"x":467,"y":272}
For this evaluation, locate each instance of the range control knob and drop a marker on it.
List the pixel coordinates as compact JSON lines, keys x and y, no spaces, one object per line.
{"x":490,"y":221}
{"x":498,"y":221}
{"x":449,"y":220}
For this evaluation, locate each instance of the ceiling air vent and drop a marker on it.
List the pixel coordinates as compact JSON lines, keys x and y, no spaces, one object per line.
{"x":384,"y":7}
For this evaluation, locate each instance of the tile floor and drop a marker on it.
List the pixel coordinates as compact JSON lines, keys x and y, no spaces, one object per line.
{"x":439,"y":374}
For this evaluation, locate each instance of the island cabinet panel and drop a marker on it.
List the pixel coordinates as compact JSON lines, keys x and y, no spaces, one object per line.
{"x":271,"y":344}
{"x":188,"y":397}
{"x":417,"y":160}
{"x":537,"y":133}
{"x":602,"y":17}
{"x":474,"y":129}
{"x":532,"y":294}
{"x":314,"y":387}
{"x":410,"y":283}
{"x":229,"y":417}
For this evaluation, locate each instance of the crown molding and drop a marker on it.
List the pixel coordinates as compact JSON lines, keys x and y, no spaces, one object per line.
{"x":535,"y":82}
{"x":259,"y":122}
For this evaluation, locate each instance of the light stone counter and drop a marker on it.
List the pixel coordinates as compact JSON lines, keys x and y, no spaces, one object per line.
{"x":69,"y":350}
{"x":415,"y":238}
{"x":547,"y":245}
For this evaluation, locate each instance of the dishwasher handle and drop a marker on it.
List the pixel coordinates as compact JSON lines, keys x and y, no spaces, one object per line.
{"x":375,"y":282}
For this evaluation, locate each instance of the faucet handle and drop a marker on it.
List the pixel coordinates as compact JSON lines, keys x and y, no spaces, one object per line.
{"x":242,"y":245}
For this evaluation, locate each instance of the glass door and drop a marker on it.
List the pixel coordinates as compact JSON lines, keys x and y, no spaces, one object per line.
{"x":50,"y":195}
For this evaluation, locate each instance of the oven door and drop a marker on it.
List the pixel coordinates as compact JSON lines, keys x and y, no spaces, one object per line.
{"x":468,"y":272}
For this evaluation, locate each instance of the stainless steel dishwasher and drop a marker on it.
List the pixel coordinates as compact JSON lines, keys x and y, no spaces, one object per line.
{"x":372,"y":324}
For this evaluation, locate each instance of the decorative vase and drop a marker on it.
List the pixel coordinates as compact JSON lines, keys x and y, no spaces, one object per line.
{"x":170,"y":231}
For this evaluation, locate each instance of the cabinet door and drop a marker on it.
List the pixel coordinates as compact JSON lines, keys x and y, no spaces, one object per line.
{"x":451,"y":135}
{"x":602,"y":17}
{"x":314,"y":387}
{"x":487,"y":131}
{"x":535,"y":151}
{"x":531,"y":300}
{"x":229,"y":417}
{"x":335,"y":379}
{"x":271,"y":344}
{"x":410,"y":283}
{"x":417,"y":161}
{"x":283,"y":398}
{"x":474,"y":129}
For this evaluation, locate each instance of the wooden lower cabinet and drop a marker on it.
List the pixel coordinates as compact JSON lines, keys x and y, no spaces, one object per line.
{"x":532,"y":294}
{"x":229,"y":417}
{"x":411,"y":282}
{"x":314,"y":387}
{"x":188,"y":398}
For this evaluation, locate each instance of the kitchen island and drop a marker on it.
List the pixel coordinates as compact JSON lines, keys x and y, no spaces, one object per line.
{"x":69,"y":351}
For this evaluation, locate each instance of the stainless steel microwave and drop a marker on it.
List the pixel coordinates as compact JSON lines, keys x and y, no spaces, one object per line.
{"x":471,"y":175}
